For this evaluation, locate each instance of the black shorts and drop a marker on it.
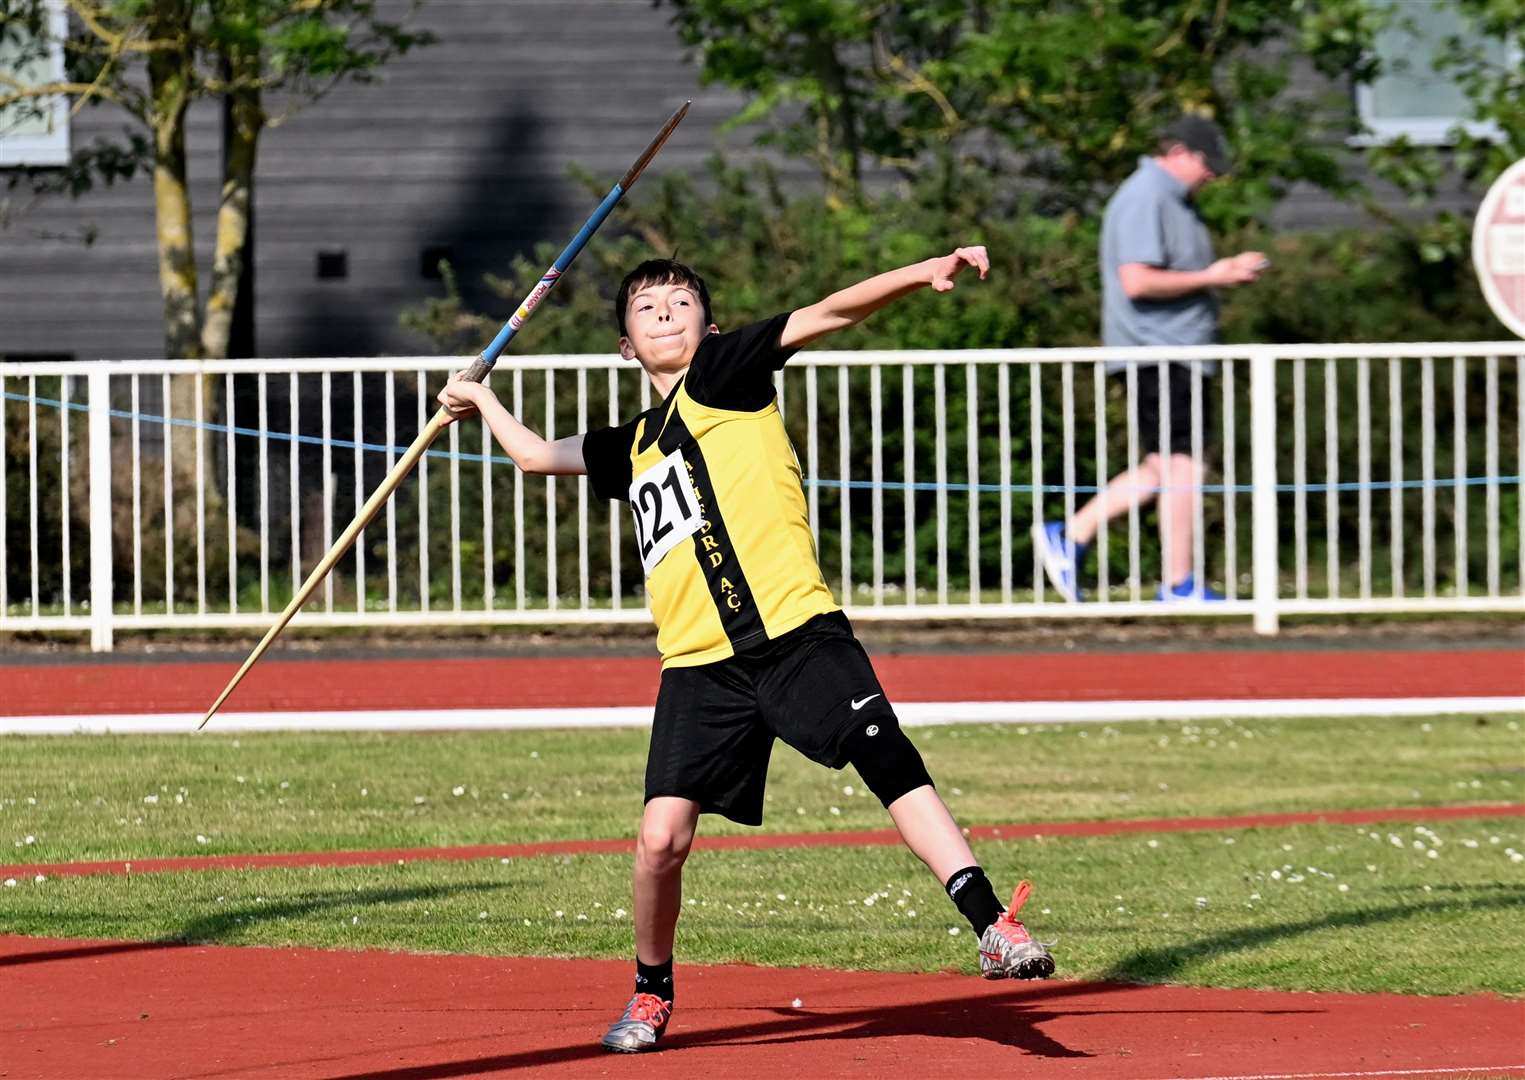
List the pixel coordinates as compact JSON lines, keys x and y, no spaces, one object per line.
{"x":1147,"y":408}
{"x":715,"y":724}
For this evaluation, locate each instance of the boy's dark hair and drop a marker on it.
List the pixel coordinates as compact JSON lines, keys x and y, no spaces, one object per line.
{"x":660,"y":272}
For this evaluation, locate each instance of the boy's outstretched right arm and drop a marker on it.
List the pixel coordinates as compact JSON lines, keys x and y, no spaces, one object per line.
{"x":530,"y":452}
{"x":857,"y":302}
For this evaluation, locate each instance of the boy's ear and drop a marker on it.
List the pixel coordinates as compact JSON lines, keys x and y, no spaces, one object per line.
{"x":713,"y":329}
{"x":627,"y":350}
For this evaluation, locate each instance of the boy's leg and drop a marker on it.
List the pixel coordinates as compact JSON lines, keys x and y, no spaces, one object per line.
{"x":892,"y":768}
{"x":928,"y":829}
{"x":667,"y":833}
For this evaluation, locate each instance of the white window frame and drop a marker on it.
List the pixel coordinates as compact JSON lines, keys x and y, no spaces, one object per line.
{"x":52,"y":148}
{"x":1420,"y":130}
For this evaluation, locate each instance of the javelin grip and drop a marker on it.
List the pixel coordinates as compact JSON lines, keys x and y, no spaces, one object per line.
{"x":477,"y":372}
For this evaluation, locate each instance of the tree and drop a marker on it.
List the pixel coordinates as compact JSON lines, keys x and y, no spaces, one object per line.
{"x":1065,"y":94}
{"x":152,"y":59}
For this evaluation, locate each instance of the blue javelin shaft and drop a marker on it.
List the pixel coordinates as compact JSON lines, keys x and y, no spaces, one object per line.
{"x":489,"y":356}
{"x":550,"y":277}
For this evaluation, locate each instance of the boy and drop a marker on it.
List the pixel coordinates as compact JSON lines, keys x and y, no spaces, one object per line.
{"x":753,"y":646}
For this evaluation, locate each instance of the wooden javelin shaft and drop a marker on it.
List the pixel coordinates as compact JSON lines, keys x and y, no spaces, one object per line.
{"x":346,"y":539}
{"x":480,"y":368}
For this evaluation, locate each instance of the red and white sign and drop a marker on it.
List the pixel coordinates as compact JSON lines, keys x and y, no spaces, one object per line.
{"x":1498,"y":247}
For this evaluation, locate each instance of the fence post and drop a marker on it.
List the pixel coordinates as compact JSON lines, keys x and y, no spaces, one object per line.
{"x":100,"y":509}
{"x":1264,"y":570}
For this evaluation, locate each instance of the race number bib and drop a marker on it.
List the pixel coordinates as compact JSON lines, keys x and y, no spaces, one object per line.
{"x":666,"y":512}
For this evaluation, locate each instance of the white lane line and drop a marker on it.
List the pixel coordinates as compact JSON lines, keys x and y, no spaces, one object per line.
{"x":914,"y":714}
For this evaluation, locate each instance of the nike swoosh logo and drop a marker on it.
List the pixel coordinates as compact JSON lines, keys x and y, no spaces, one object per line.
{"x":857,"y":704}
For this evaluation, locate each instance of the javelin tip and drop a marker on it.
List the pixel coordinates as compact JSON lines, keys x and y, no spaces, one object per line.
{"x":656,"y":144}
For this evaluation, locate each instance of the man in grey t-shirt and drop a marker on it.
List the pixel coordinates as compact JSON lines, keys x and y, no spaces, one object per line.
{"x":1158,"y":276}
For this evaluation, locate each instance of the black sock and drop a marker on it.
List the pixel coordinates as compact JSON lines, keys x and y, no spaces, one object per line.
{"x":654,"y":979}
{"x":971,"y":891}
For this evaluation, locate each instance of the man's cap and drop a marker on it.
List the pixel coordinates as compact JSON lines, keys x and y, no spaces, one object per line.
{"x":1206,"y":137}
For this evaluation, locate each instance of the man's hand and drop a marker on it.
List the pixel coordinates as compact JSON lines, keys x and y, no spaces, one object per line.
{"x":946,"y":268}
{"x":459,"y":397}
{"x":1242,"y":269}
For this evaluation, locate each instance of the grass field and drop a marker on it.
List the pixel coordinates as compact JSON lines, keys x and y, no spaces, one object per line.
{"x":1412,"y":908}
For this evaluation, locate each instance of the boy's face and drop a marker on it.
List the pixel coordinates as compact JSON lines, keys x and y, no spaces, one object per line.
{"x":663,"y":327}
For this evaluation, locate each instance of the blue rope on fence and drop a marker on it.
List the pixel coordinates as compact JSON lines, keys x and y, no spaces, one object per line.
{"x":852,"y":485}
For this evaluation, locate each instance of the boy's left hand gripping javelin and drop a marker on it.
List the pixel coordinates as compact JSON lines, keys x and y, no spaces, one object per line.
{"x":459,"y":397}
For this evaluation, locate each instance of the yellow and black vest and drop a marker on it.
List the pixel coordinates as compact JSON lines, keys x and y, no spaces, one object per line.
{"x":720,"y":514}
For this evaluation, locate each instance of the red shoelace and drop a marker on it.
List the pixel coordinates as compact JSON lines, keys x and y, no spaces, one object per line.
{"x":650,"y":1008}
{"x":1006,"y":923}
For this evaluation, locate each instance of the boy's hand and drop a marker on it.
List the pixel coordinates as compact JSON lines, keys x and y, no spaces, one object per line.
{"x":945,"y":269}
{"x":459,"y":397}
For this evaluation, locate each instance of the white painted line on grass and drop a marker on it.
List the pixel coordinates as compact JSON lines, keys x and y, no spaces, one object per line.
{"x":913,"y":714}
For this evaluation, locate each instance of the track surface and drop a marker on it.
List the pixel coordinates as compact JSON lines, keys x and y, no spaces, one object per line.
{"x":100,"y":1009}
{"x":593,"y":682}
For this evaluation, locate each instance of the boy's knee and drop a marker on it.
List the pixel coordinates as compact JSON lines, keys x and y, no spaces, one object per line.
{"x":888,"y":762}
{"x":661,"y":848}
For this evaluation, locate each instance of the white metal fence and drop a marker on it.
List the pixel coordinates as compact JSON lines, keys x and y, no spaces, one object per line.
{"x":1339,"y":479}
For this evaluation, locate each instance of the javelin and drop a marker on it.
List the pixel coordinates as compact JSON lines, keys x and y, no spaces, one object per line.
{"x":479,"y":370}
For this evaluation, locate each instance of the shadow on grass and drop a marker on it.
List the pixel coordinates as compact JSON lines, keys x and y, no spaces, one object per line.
{"x":1161,"y":965}
{"x":225,"y":927}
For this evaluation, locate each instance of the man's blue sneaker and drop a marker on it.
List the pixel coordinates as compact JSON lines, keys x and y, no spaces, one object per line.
{"x":1187,"y":591}
{"x":1061,"y":558}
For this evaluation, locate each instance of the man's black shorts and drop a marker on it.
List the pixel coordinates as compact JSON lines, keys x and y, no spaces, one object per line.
{"x":1178,"y":389}
{"x":715,"y":724}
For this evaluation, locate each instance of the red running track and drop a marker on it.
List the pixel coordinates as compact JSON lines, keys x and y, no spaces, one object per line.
{"x":592,"y":682}
{"x":88,"y":1010}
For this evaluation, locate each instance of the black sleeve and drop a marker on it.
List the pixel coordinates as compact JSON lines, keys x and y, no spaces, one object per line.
{"x":606,"y":454}
{"x":735,"y":370}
